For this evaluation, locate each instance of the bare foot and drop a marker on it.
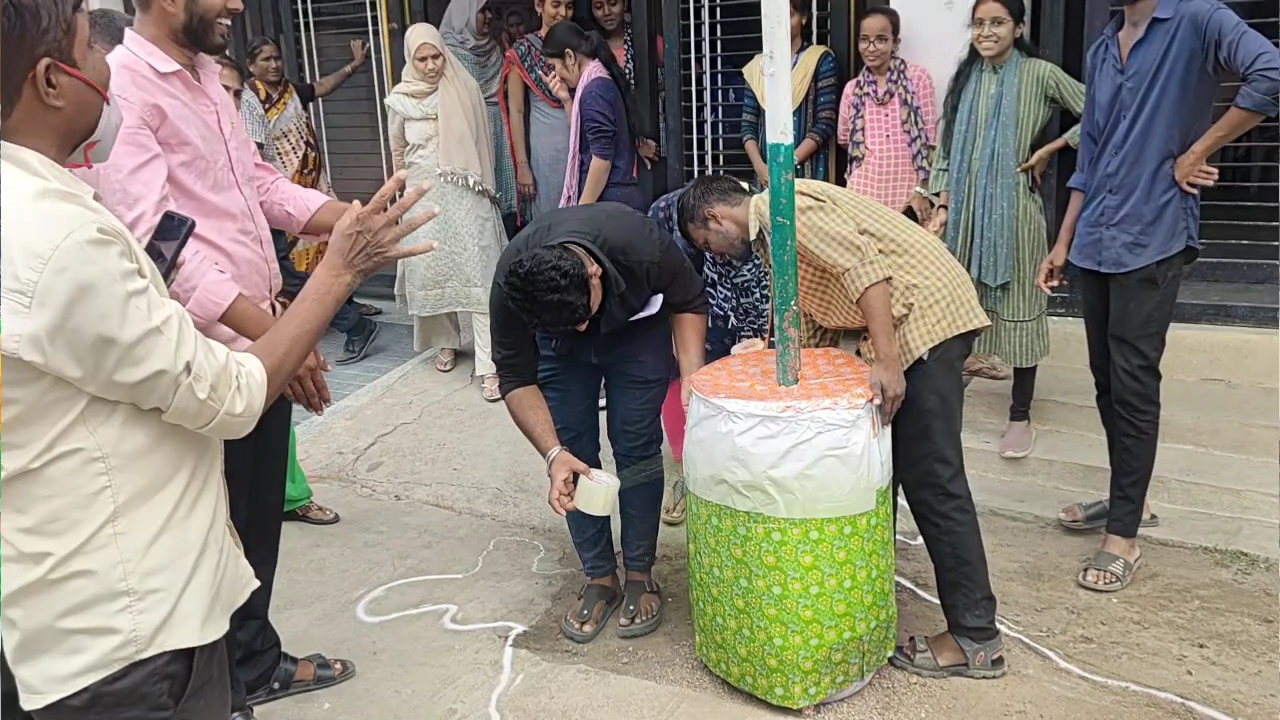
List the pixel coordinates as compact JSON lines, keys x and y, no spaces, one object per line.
{"x":1126,"y":548}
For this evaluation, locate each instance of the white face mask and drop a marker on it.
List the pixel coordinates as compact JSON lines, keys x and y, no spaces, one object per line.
{"x":97,"y":149}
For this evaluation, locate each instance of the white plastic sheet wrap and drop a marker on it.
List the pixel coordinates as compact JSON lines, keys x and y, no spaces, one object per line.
{"x":818,"y":458}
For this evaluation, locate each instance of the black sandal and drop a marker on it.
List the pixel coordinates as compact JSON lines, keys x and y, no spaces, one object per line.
{"x":1094,"y":515}
{"x":591,"y":595}
{"x":979,"y":661}
{"x":632,"y":592}
{"x":283,"y":685}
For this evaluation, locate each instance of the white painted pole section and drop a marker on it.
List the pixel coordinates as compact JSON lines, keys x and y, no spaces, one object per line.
{"x":775,"y":20}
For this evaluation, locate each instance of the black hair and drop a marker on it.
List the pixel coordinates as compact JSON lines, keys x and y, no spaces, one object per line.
{"x":888,"y":13}
{"x":803,"y":8}
{"x":549,"y":287}
{"x":951,"y":105}
{"x":232,"y":64}
{"x":257,"y":45}
{"x":707,"y":191}
{"x":33,"y":30}
{"x":567,"y":35}
{"x":107,"y":26}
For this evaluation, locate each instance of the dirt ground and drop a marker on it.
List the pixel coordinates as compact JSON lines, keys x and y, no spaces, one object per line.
{"x":1201,"y":624}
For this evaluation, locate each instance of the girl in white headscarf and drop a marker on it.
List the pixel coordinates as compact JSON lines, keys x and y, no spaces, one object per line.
{"x":467,"y":28}
{"x":440,"y":135}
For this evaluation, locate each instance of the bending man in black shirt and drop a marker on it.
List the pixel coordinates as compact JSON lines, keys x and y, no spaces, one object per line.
{"x":582,"y":294}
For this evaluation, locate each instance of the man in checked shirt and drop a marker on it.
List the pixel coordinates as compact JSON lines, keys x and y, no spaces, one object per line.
{"x":866,"y":267}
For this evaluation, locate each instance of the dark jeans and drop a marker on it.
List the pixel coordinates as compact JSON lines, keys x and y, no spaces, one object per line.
{"x":255,"y":467}
{"x":190,"y":684}
{"x":1126,"y":320}
{"x":348,"y":319}
{"x":928,"y":464}
{"x":634,"y":363}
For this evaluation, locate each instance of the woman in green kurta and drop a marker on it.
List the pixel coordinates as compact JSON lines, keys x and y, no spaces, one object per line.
{"x":1000,"y":99}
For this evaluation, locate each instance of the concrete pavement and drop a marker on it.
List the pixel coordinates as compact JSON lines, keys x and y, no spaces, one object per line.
{"x":427,"y":475}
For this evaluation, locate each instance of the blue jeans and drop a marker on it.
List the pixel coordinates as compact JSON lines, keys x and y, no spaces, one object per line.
{"x":634,"y":363}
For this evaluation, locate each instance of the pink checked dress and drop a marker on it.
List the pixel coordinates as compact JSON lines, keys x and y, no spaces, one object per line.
{"x":888,"y":172}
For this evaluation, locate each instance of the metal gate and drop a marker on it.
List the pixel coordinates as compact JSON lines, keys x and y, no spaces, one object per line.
{"x":351,"y":123}
{"x":717,"y":39}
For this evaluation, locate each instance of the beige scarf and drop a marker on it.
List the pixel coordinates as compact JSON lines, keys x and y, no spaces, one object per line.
{"x":801,"y":75}
{"x":463,"y":122}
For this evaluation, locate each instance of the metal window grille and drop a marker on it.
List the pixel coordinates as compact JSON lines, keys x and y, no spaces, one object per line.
{"x":717,"y":39}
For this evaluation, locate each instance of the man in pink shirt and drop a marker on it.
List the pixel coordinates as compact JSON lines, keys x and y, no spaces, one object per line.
{"x":183,"y":147}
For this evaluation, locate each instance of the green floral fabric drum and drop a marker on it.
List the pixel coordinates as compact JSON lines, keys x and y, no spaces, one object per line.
{"x":790,"y":524}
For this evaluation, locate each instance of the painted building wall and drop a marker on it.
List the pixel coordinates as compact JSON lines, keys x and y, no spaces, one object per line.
{"x":935,"y":34}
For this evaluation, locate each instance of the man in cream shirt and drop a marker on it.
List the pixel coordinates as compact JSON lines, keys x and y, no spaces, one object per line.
{"x":121,"y":568}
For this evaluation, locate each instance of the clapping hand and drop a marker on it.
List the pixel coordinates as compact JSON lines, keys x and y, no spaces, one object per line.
{"x":367,"y":237}
{"x":308,"y":388}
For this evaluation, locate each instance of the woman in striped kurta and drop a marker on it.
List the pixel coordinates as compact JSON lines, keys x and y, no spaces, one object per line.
{"x":466,"y":30}
{"x":990,"y":212}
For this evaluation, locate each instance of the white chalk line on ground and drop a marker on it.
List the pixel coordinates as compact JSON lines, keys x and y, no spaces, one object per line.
{"x":1012,"y":631}
{"x":450,"y":610}
{"x":515,"y":630}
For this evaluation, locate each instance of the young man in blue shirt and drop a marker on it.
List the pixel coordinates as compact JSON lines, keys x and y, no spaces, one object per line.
{"x":1132,"y":225}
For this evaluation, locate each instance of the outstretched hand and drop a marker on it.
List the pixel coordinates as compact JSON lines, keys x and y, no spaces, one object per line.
{"x":367,"y":237}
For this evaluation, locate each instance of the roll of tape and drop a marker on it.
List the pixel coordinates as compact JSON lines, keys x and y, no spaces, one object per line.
{"x":597,"y":493}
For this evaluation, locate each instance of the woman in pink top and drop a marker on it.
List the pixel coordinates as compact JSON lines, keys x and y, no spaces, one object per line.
{"x":887,"y":119}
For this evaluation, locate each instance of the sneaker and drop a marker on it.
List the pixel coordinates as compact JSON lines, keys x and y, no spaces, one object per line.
{"x":358,"y":345}
{"x":1018,"y":440}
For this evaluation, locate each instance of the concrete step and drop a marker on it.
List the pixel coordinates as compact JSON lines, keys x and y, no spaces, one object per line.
{"x":1215,"y":480}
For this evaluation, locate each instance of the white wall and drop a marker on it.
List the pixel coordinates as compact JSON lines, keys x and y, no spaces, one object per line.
{"x":935,"y":34}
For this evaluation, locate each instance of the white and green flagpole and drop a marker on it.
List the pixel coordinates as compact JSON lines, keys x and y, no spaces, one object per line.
{"x":775,"y":17}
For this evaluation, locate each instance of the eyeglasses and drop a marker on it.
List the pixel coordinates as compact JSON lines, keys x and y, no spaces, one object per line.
{"x":879,"y":43}
{"x":994,"y":25}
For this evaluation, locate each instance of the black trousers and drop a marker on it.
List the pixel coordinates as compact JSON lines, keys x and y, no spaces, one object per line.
{"x":256,"y":466}
{"x":1126,"y":321}
{"x":928,"y":464}
{"x":9,"y":707}
{"x":190,"y":684}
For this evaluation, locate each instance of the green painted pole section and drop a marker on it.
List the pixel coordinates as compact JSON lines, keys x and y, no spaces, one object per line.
{"x":782,"y":250}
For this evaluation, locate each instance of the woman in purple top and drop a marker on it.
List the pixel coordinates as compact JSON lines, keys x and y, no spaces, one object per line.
{"x":602,"y":126}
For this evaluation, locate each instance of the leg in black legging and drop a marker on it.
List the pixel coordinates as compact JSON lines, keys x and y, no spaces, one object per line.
{"x":1024,"y":390}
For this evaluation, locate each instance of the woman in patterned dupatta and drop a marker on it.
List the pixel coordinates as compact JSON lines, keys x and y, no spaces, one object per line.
{"x":989,"y":211}
{"x":291,"y":144}
{"x":468,"y":31}
{"x":536,"y":119}
{"x":815,"y":97}
{"x":888,"y":118}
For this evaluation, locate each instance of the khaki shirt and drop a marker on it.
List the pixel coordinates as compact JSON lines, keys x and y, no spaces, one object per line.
{"x":845,"y":243}
{"x":116,"y":541}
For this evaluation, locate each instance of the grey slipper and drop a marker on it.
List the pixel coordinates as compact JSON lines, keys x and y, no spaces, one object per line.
{"x":1095,"y":516}
{"x":1113,"y":564}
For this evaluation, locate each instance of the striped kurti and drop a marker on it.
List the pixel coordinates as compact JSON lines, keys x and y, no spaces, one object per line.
{"x":1019,"y":333}
{"x":504,"y":171}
